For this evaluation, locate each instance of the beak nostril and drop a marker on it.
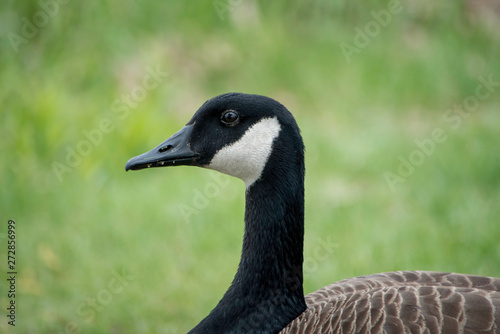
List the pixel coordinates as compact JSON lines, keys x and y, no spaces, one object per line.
{"x":165,"y":148}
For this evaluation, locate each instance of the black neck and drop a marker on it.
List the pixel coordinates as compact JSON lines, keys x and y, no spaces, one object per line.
{"x":266,"y":293}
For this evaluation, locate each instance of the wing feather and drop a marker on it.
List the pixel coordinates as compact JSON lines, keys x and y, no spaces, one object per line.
{"x":403,"y":302}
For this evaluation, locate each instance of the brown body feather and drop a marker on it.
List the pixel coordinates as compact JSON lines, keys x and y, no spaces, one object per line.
{"x":403,"y":302}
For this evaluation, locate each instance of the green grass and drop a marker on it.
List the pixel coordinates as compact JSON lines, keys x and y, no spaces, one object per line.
{"x":357,"y":119}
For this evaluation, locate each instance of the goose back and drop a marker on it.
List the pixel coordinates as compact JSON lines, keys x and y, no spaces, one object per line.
{"x":403,"y":302}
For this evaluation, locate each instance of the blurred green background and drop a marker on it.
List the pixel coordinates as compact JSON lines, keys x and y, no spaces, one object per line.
{"x":104,"y":251}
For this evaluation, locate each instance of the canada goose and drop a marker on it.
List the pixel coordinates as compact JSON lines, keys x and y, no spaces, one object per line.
{"x":256,"y":139}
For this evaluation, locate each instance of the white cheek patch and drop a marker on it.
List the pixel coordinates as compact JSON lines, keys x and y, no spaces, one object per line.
{"x":247,"y":157}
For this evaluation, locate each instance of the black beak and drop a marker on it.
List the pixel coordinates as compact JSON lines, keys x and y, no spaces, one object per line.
{"x":174,"y":151}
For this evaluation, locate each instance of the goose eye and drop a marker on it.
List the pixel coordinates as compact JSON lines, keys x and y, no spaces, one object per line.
{"x":230,"y":117}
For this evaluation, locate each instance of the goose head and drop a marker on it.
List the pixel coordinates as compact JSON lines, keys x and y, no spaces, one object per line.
{"x":232,"y":133}
{"x":256,"y":139}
